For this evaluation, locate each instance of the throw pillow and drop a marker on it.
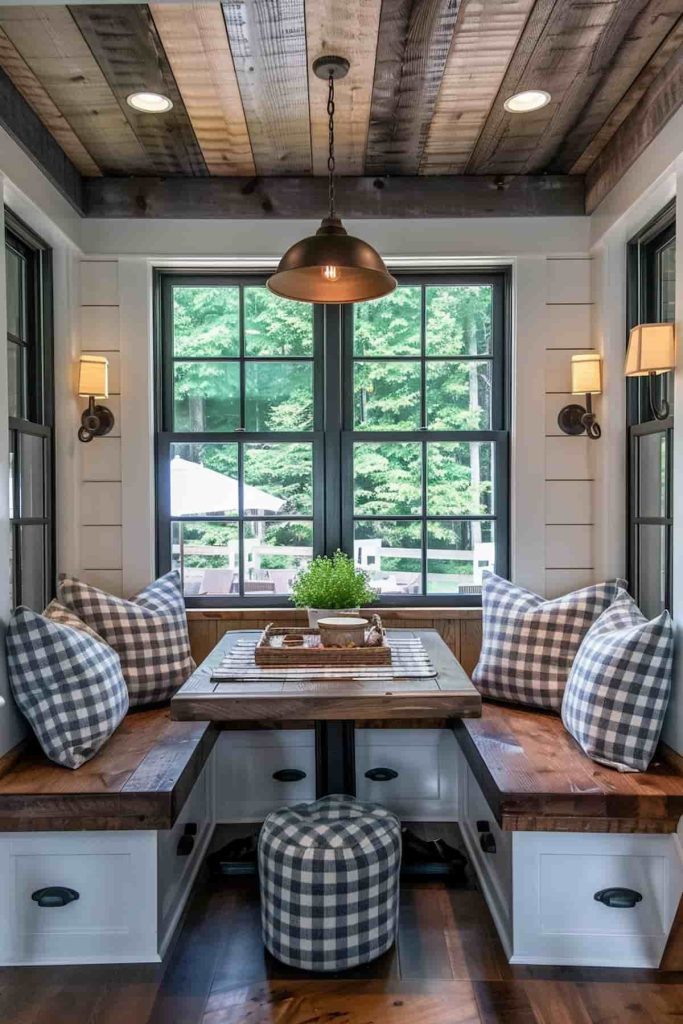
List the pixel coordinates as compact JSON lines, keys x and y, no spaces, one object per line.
{"x":618,"y":688}
{"x":149,"y":633}
{"x":59,"y":613}
{"x":529,"y":644}
{"x":68,"y":685}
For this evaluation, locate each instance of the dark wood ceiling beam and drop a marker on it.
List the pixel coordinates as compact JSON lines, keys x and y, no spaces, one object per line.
{"x":360,"y":197}
{"x":268,"y":45}
{"x":646,"y":120}
{"x":126,"y":45}
{"x":26,"y":128}
{"x":412,"y":49}
{"x":652,"y":31}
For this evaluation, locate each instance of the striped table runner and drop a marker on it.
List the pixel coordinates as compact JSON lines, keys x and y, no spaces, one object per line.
{"x":409,"y":660}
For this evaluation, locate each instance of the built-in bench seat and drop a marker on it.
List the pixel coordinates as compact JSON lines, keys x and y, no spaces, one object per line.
{"x":139,"y":780}
{"x":535,"y":777}
{"x":580,"y":864}
{"x":96,"y":864}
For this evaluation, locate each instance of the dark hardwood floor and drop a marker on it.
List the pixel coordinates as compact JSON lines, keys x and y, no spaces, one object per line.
{"x":448,"y":967}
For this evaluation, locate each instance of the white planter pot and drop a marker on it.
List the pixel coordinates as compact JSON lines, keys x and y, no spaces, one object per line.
{"x":321,"y":613}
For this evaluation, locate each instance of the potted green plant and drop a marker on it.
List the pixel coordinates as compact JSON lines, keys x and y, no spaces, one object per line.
{"x":331,"y":584}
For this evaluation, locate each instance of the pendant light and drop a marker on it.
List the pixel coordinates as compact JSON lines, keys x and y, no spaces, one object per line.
{"x":331,"y":265}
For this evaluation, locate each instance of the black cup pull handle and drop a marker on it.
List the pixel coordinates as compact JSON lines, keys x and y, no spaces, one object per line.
{"x":487,"y":841}
{"x":381,"y":774}
{"x":54,"y":896}
{"x":289,"y":775}
{"x":483,"y":826}
{"x":617,"y":897}
{"x":186,"y":841}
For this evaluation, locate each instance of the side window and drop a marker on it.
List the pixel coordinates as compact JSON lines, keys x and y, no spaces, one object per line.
{"x":30,"y":393}
{"x":651,"y":288}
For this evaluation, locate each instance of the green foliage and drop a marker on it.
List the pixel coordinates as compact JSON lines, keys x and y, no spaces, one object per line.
{"x":332,"y":583}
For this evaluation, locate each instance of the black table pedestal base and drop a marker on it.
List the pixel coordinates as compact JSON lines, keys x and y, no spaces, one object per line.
{"x":335,"y":758}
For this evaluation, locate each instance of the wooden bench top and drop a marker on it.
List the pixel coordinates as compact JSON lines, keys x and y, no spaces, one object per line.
{"x":139,"y":780}
{"x":536,"y":778}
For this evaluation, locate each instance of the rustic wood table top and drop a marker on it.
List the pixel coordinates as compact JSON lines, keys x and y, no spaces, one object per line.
{"x":449,"y":694}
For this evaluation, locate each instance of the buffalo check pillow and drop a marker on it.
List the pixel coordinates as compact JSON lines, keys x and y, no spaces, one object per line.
{"x":149,"y":633}
{"x":68,"y":685}
{"x":529,"y":644}
{"x":618,"y":688}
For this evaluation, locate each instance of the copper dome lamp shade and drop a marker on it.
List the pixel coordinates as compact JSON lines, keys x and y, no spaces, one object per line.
{"x":331,"y":266}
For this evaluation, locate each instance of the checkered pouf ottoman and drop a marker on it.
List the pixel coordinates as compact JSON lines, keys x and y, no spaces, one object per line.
{"x":329,"y":883}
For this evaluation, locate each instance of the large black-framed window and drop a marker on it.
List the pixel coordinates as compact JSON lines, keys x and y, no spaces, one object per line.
{"x":28,"y":268}
{"x":651,"y":299}
{"x":286,"y":430}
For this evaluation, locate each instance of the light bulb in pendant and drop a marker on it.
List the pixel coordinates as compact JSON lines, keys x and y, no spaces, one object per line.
{"x":330,"y":273}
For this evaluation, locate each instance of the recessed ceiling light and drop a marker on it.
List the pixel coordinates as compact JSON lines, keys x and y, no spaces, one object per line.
{"x":525,"y":102}
{"x":149,"y":102}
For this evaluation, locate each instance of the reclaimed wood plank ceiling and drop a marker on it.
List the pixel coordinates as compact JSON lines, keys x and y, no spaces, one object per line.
{"x":424,"y":96}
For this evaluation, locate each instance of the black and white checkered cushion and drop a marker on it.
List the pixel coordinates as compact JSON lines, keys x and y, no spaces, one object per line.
{"x":618,"y":689}
{"x":529,"y":644}
{"x":329,"y":874}
{"x":149,"y":633}
{"x":68,"y":685}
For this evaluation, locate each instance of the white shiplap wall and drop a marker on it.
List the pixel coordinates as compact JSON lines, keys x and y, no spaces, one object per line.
{"x":569,"y":474}
{"x":101,"y":532}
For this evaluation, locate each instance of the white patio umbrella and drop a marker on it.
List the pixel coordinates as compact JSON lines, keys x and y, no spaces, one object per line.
{"x":198,"y":490}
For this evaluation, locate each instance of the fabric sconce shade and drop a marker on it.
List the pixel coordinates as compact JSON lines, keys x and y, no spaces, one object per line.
{"x":93,"y":377}
{"x":651,"y":349}
{"x":587,"y":374}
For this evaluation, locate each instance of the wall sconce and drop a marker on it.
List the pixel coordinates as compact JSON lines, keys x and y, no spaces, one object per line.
{"x":93,"y":382}
{"x":586,"y":380}
{"x":652,"y":351}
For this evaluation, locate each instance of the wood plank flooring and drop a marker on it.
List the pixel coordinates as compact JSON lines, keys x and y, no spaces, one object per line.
{"x":447,"y":968}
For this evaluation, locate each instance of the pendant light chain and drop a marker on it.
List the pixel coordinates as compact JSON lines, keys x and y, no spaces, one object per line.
{"x":330,"y":143}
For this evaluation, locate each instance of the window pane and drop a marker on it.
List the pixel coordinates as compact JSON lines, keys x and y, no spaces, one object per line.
{"x":651,"y":541}
{"x":460,"y":478}
{"x":207,"y":555}
{"x":204,"y":480}
{"x":457,"y":553}
{"x":387,"y":478}
{"x":32,"y":583}
{"x":13,"y":499}
{"x":31,"y":476}
{"x":279,"y":396}
{"x":15,"y":380}
{"x":459,"y":395}
{"x":387,"y":396}
{"x":206,"y":396}
{"x":273,"y":554}
{"x":666,"y":272}
{"x":15,"y":269}
{"x":458,"y":320}
{"x":278,"y":478}
{"x":391,"y":554}
{"x":652,"y":474}
{"x":389,"y":326}
{"x":275,"y":326}
{"x":206,"y":321}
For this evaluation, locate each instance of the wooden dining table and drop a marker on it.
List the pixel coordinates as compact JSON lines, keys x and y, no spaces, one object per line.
{"x":332,"y":705}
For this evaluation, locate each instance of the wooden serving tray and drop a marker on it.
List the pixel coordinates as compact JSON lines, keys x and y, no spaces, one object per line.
{"x":270,"y":651}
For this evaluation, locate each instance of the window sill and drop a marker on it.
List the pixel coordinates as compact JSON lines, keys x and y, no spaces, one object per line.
{"x":299,"y":614}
